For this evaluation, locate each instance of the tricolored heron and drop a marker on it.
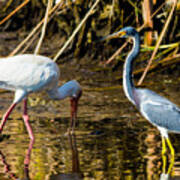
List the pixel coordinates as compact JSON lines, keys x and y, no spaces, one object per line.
{"x":30,"y":73}
{"x":156,"y":109}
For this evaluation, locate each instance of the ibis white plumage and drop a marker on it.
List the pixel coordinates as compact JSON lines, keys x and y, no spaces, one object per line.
{"x":28,"y":73}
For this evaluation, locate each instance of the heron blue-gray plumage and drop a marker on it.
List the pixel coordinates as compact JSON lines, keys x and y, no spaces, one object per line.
{"x":158,"y":110}
{"x":29,"y":73}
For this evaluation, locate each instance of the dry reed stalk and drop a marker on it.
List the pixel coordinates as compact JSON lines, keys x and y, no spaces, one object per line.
{"x":13,"y":12}
{"x":158,"y":42}
{"x":147,"y":7}
{"x":30,"y":42}
{"x":49,"y":5}
{"x":164,"y":62}
{"x":124,"y":45}
{"x":76,"y":30}
{"x":134,"y":5}
{"x":117,"y":52}
{"x":33,"y":38}
{"x":34,"y":30}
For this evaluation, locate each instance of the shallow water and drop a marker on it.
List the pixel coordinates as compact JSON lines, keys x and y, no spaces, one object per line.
{"x":112,"y":141}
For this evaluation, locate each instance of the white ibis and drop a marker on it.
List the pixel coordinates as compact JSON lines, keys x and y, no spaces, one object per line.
{"x":31,"y":73}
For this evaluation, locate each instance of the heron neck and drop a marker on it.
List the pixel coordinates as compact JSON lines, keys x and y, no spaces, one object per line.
{"x":128,"y":68}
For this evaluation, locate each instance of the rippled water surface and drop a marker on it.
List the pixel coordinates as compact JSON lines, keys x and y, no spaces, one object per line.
{"x":112,"y":139}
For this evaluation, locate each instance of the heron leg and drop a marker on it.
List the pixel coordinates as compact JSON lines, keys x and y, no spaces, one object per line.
{"x":26,"y":121}
{"x":171,"y":149}
{"x":6,"y":115}
{"x":164,"y":160}
{"x":170,"y":167}
{"x":164,"y":149}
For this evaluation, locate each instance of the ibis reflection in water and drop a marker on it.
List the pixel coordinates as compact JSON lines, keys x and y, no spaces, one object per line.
{"x":30,"y":73}
{"x":156,"y":109}
{"x":7,"y":166}
{"x":74,"y":174}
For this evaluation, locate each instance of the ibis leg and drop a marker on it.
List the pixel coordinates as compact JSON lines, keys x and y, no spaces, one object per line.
{"x":6,"y":115}
{"x":28,"y":154}
{"x":26,"y":121}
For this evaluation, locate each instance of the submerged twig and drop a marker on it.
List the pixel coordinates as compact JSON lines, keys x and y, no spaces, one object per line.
{"x":49,"y":5}
{"x":76,"y":30}
{"x":158,"y":42}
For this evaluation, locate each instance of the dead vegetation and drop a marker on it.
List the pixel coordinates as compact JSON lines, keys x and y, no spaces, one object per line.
{"x":80,"y":23}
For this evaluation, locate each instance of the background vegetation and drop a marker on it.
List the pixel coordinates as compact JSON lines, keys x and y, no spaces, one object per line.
{"x":107,"y":17}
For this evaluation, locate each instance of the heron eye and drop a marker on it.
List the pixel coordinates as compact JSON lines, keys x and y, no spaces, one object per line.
{"x":122,"y":33}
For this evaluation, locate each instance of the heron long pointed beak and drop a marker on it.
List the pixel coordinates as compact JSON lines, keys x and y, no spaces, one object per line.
{"x":114,"y":35}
